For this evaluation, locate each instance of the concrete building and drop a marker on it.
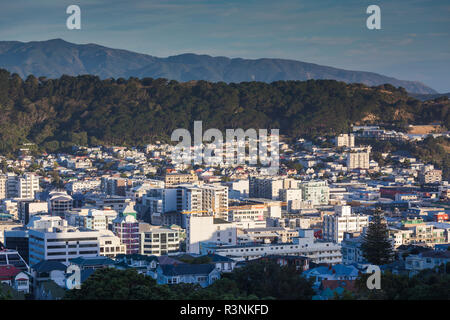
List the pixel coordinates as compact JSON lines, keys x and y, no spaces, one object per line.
{"x":304,"y":245}
{"x":110,"y":245}
{"x":269,"y":188}
{"x":206,"y":228}
{"x":165,"y":205}
{"x":158,"y":241}
{"x":62,"y":243}
{"x":293,"y":198}
{"x":335,"y":225}
{"x":428,"y":175}
{"x":91,"y":218}
{"x":317,"y":192}
{"x":23,"y":187}
{"x":59,"y":203}
{"x":358,"y":158}
{"x":345,"y":140}
{"x":126,"y":227}
{"x":180,"y":178}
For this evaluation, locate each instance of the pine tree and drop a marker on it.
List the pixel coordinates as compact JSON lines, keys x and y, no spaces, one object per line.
{"x":376,"y":246}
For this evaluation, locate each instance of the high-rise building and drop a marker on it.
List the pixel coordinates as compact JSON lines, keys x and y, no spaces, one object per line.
{"x":23,"y":187}
{"x":164,"y":206}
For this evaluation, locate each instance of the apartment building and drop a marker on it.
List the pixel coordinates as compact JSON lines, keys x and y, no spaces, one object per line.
{"x":180,"y":178}
{"x":110,"y":245}
{"x":335,"y":225}
{"x":318,"y":192}
{"x":269,"y":188}
{"x":430,"y":176}
{"x":158,"y":241}
{"x":215,"y":198}
{"x":293,"y":198}
{"x":82,"y":186}
{"x":424,"y":233}
{"x":269,"y":235}
{"x":91,"y":218}
{"x":23,"y":187}
{"x":162,"y":204}
{"x":345,"y":140}
{"x":126,"y":227}
{"x":358,"y":158}
{"x":26,"y":208}
{"x":116,"y":203}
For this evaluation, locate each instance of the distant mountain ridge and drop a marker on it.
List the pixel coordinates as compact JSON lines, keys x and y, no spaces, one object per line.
{"x":425,"y":97}
{"x":54,"y":58}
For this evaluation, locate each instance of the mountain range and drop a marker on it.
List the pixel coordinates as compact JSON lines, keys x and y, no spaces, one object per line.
{"x":54,"y":58}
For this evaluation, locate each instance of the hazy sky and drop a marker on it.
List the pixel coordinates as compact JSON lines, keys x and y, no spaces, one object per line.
{"x":413,"y":43}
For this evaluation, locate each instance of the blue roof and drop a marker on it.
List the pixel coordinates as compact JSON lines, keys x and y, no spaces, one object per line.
{"x":92,"y":261}
{"x":338,"y":269}
{"x":187,"y":269}
{"x":218,"y":258}
{"x":48,"y":265}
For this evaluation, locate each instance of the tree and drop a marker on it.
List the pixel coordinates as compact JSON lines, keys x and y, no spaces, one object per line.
{"x":376,"y":246}
{"x":267,"y":280}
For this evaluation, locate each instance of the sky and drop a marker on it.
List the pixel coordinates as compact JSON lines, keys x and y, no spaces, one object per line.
{"x":412,"y":44}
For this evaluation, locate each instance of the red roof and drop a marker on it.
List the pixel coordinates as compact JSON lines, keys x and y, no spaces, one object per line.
{"x":333,"y":284}
{"x":8,"y":272}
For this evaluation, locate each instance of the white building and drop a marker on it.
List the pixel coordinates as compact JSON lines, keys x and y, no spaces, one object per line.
{"x":293,"y":198}
{"x":24,"y":187}
{"x":304,"y":245}
{"x":358,"y":158}
{"x":82,"y":186}
{"x":110,"y":245}
{"x":62,"y":243}
{"x":201,"y":228}
{"x":158,"y":241}
{"x":318,"y":192}
{"x":342,"y":221}
{"x":345,"y":140}
{"x":91,"y":218}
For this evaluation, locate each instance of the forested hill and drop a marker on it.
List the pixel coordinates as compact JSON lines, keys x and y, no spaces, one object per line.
{"x":87,"y":110}
{"x":54,"y":58}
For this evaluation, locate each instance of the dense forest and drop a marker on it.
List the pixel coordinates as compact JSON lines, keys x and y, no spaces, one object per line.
{"x":58,"y":113}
